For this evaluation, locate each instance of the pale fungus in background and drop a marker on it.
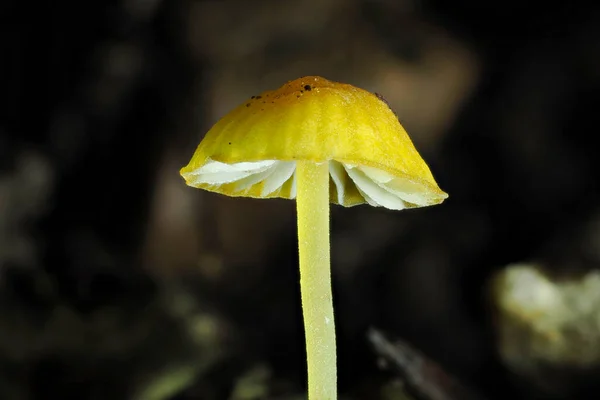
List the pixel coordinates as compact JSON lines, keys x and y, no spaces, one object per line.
{"x":315,"y":141}
{"x":546,"y":321}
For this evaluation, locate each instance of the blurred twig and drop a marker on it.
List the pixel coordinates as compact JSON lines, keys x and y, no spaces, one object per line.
{"x":423,"y":378}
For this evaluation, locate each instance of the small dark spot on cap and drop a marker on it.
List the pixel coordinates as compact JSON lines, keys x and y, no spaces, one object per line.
{"x":259,"y":97}
{"x":253,"y":97}
{"x":229,"y":142}
{"x":247,"y":104}
{"x":298,"y":96}
{"x":307,"y":87}
{"x":380,"y":97}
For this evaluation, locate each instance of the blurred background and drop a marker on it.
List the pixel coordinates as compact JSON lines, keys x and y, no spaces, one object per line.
{"x":119,"y":282}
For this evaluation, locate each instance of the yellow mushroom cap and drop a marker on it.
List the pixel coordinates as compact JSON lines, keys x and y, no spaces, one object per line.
{"x":252,"y":151}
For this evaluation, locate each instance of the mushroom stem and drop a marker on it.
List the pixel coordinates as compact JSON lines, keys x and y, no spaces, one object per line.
{"x":312,"y":201}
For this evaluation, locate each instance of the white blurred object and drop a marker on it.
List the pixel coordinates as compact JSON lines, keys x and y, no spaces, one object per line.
{"x":547,"y":324}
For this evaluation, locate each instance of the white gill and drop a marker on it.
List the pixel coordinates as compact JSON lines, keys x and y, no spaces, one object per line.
{"x":379,"y":188}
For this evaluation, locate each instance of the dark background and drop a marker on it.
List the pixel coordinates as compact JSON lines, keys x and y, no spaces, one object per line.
{"x":119,"y":282}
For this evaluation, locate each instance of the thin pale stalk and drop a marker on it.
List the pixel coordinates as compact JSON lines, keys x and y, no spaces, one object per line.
{"x":312,"y":199}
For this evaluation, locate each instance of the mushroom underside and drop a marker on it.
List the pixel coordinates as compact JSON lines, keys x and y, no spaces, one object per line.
{"x":378,"y":188}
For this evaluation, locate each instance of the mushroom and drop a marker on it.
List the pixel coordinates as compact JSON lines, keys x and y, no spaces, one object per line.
{"x":315,"y":141}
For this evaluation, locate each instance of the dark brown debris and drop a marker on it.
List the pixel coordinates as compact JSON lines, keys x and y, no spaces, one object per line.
{"x":423,"y":378}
